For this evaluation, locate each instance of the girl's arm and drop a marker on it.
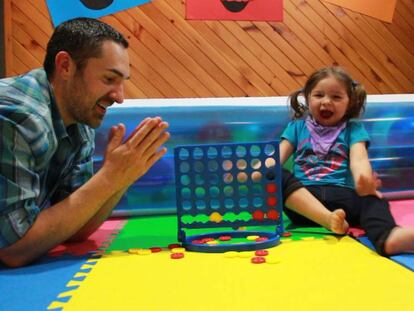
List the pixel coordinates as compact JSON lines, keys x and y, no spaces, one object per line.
{"x":365,"y":182}
{"x":285,"y":150}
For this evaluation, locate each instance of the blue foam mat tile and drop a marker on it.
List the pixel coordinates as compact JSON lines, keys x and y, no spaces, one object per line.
{"x":406,"y":260}
{"x":35,"y":286}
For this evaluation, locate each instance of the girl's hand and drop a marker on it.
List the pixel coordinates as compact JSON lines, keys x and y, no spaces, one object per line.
{"x":368,"y":185}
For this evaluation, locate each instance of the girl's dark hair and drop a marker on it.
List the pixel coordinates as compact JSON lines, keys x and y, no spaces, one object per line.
{"x":356,"y":92}
{"x":82,"y":38}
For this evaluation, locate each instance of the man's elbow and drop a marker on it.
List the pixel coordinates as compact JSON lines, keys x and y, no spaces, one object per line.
{"x":80,"y":237}
{"x":14,"y":261}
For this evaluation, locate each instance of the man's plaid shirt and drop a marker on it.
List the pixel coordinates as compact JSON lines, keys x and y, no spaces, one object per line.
{"x":41,"y":160}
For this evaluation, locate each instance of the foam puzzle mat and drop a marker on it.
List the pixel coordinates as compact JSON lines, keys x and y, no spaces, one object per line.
{"x":292,"y":278}
{"x":38,"y":285}
{"x":311,"y":268}
{"x":403,"y":212}
{"x":406,"y":260}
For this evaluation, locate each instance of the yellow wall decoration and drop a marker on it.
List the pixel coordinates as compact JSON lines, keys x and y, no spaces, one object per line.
{"x":380,"y":9}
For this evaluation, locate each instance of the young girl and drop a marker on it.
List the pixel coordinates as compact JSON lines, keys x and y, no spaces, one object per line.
{"x":331,"y":161}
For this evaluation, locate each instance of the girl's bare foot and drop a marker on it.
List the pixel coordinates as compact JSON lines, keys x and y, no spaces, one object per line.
{"x":337,"y":222}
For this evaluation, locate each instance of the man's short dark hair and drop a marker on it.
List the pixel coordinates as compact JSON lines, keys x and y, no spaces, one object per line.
{"x":82,"y":38}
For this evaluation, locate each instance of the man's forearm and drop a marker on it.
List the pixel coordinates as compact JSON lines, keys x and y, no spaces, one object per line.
{"x":61,"y":221}
{"x":98,"y":218}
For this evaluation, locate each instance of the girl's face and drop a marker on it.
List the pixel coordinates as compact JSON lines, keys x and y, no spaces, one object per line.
{"x":328,"y":101}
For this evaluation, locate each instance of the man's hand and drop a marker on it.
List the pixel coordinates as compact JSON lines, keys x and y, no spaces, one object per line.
{"x":127,"y":161}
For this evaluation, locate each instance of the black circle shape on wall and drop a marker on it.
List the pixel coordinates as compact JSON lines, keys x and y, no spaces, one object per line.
{"x":235,"y":6}
{"x":96,"y":4}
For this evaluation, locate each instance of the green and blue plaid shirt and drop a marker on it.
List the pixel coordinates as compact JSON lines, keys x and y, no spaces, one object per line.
{"x":41,"y":161}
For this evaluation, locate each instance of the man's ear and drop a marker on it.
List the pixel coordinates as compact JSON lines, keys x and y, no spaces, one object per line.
{"x":64,"y":65}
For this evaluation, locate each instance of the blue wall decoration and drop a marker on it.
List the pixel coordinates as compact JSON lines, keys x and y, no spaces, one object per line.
{"x":61,"y":11}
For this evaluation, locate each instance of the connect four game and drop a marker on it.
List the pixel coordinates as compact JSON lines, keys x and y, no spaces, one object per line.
{"x":234,"y":190}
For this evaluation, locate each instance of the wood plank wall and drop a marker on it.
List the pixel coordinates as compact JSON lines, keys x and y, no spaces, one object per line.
{"x":172,"y":57}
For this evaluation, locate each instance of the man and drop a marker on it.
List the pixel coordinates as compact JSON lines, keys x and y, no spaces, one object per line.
{"x":48,"y":194}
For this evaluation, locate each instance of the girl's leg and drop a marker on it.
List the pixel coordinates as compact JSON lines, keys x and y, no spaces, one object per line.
{"x":379,"y":224}
{"x":381,"y":229}
{"x":400,"y":240}
{"x":300,"y":201}
{"x":373,"y":215}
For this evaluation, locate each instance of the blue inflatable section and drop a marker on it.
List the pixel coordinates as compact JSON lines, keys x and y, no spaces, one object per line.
{"x":389,"y":120}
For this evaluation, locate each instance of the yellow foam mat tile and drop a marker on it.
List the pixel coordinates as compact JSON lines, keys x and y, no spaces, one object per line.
{"x":91,"y":260}
{"x":68,"y":293}
{"x":56,"y":305}
{"x":81,"y":274}
{"x":73,"y":283}
{"x":86,"y":267}
{"x":322,"y":274}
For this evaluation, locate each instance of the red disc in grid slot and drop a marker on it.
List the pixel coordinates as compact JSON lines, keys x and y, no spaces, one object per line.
{"x":258,"y":215}
{"x":271,"y":188}
{"x":271,"y":201}
{"x":272,"y":214}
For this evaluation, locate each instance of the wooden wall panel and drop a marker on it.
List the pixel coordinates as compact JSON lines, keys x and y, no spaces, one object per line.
{"x":172,"y":57}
